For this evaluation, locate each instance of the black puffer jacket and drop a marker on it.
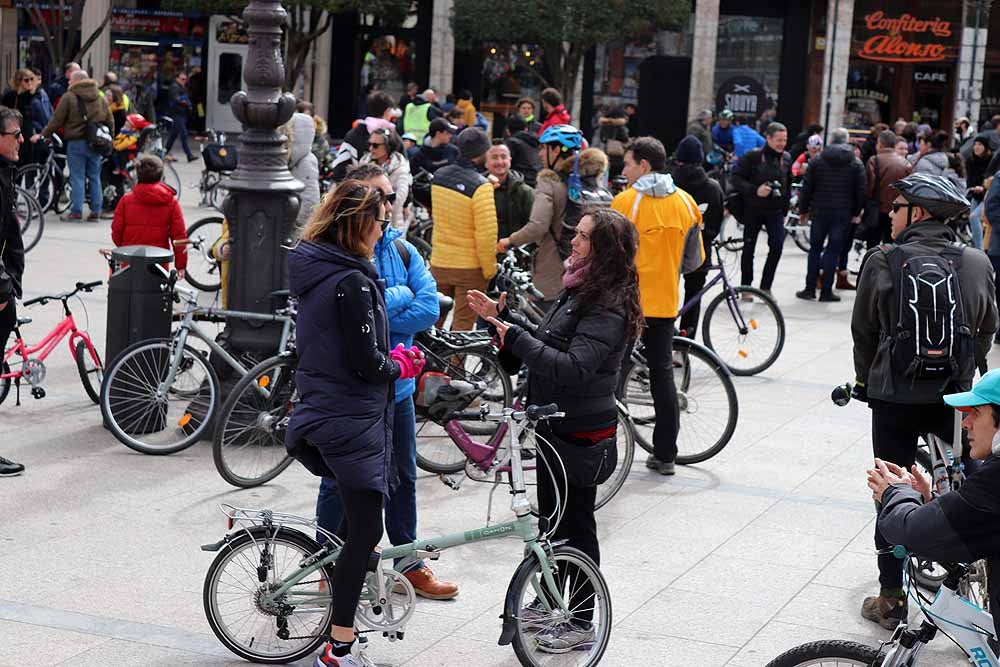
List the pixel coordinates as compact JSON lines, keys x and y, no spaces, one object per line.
{"x":431,"y":158}
{"x":573,"y":358}
{"x":759,"y":166}
{"x":524,"y":156}
{"x":835,"y":181}
{"x":10,"y":230}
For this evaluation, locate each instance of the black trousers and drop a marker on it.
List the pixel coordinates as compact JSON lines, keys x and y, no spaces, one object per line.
{"x":361,"y":531}
{"x":774,"y":223}
{"x":658,"y":339}
{"x":895,"y":430}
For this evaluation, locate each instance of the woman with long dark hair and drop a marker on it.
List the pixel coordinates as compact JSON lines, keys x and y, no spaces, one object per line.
{"x":573,"y":358}
{"x":341,"y":428}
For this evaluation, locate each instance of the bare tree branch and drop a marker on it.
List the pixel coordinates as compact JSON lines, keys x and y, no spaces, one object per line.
{"x":97,"y":33}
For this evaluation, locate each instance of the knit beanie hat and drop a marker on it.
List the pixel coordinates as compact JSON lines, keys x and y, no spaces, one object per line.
{"x":690,"y":151}
{"x":472,"y":142}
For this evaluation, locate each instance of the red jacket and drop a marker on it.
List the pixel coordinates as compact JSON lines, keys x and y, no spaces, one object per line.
{"x":558,"y":116}
{"x":151,"y":215}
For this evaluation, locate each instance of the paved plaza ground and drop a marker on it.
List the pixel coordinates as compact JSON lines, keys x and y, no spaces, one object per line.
{"x":766,"y":546}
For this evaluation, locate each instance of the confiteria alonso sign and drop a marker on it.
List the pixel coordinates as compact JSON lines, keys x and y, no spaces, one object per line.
{"x":905,"y":38}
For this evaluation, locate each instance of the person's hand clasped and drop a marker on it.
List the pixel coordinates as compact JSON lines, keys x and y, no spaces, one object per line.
{"x":411,"y":360}
{"x":886,"y":474}
{"x":503,"y":245}
{"x":764,"y":190}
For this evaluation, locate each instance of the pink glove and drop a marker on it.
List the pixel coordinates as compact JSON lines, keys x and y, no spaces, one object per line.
{"x":410,"y":361}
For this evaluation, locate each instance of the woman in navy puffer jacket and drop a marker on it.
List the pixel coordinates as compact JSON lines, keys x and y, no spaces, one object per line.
{"x":342,"y":426}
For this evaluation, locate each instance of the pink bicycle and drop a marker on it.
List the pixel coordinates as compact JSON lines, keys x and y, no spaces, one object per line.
{"x":31,"y":368}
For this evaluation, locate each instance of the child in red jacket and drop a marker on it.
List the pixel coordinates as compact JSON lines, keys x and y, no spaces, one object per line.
{"x":151,"y":214}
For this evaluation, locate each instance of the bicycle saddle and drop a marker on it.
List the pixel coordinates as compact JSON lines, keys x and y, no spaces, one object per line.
{"x":281,"y":294}
{"x":21,"y":321}
{"x":445,"y":303}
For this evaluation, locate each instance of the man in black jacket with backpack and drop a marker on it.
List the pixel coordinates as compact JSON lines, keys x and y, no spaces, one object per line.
{"x":11,"y":245}
{"x":907,"y":358}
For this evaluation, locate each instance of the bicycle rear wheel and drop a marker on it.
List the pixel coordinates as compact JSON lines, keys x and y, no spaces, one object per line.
{"x":707,"y":404}
{"x":88,"y":362}
{"x":249,"y":443}
{"x":436,"y":452}
{"x":749,"y":348}
{"x":4,"y":383}
{"x":203,"y":270}
{"x":829,"y":653}
{"x":625,"y":435}
{"x":36,"y":179}
{"x":151,"y":422}
{"x":29,"y":216}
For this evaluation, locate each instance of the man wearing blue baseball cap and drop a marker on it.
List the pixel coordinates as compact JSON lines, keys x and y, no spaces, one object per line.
{"x":959,"y":526}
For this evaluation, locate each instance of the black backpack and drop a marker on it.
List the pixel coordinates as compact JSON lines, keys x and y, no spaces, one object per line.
{"x":931,"y":342}
{"x":98,"y":135}
{"x":589,"y":196}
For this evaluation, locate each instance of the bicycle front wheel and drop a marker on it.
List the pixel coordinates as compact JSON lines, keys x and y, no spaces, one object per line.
{"x":148,"y":416}
{"x":29,"y":216}
{"x":203,"y":270}
{"x":748,"y":333}
{"x":88,"y":362}
{"x":234,"y":602}
{"x":574,"y":634}
{"x":625,"y":434}
{"x":830,"y":653}
{"x":249,"y":443}
{"x":36,"y":179}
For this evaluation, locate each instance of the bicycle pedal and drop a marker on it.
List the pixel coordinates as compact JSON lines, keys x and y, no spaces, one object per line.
{"x":37,"y":393}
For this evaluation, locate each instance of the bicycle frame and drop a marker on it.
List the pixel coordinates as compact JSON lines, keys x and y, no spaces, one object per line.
{"x":44,"y":348}
{"x":731,"y":302}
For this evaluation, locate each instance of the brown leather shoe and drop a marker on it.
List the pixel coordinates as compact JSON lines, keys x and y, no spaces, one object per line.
{"x":886,"y":611}
{"x":844,"y":282}
{"x":428,"y":586}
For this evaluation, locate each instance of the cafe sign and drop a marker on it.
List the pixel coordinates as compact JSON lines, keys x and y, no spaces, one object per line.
{"x":905,"y":38}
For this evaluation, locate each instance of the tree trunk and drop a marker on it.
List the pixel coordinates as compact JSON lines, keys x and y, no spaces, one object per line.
{"x":570,"y":73}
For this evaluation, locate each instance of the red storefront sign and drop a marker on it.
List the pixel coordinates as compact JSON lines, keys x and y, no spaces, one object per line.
{"x":905,"y":38}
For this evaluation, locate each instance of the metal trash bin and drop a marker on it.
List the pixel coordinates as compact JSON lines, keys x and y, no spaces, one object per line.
{"x":137,"y":307}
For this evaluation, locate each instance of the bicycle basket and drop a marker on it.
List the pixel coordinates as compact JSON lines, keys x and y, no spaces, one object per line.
{"x":219,"y":157}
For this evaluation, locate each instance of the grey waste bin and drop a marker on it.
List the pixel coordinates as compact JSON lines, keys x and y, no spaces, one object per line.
{"x":137,"y":307}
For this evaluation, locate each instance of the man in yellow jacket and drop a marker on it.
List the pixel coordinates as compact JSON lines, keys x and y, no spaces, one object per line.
{"x":669,"y":226}
{"x":465,"y":226}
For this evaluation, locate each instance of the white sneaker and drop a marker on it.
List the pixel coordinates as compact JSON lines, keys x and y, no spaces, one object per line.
{"x":356,"y":658}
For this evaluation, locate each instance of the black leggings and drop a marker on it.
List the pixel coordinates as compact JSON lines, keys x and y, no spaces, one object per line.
{"x":361,"y":531}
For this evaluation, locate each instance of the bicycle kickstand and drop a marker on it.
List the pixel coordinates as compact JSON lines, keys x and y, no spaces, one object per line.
{"x":17,"y":391}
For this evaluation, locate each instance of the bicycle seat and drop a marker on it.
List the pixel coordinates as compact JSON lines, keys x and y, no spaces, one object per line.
{"x":445,"y":303}
{"x":21,"y":321}
{"x":281,"y":294}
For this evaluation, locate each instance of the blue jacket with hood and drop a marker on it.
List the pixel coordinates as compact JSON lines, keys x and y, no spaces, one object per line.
{"x":342,"y":425}
{"x":410,"y":297}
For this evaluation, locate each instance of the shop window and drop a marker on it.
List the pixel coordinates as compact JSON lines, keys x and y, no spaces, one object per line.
{"x":388,"y":64}
{"x":869,"y":88}
{"x":511,"y":72}
{"x":230,"y":76}
{"x":748,"y":67}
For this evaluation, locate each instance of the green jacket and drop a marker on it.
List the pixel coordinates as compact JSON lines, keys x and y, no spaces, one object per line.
{"x":513,"y":202}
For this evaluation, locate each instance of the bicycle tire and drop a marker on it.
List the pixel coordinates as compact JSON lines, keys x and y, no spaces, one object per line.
{"x":90,"y":368}
{"x":736,"y":356}
{"x":527,"y":584}
{"x":730,"y":235}
{"x":819,"y":653}
{"x":801,"y":240}
{"x":116,"y":396}
{"x":436,"y":452}
{"x":36,"y":179}
{"x":204,"y":272}
{"x":5,"y":383}
{"x":699,"y":372}
{"x":422,"y":246}
{"x":294,"y":542}
{"x":172,"y":178}
{"x":248,"y":420}
{"x":626,"y":455}
{"x":30,"y":217}
{"x":64,"y":200}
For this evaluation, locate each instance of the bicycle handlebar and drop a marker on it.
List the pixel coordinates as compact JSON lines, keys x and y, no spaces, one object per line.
{"x":80,"y":287}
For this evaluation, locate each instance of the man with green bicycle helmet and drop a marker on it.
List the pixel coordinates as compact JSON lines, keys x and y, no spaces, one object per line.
{"x":960,"y":526}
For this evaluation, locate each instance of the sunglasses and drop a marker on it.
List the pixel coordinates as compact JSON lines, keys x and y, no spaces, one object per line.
{"x":15,"y":133}
{"x":897,"y":205}
{"x":390,"y":197}
{"x":372,"y":145}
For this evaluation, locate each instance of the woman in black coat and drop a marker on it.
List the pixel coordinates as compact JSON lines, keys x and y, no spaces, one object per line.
{"x":573,"y":358}
{"x":342,"y":426}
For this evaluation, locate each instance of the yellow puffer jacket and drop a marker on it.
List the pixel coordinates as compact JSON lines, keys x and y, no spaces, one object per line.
{"x":465,"y":220}
{"x":669,"y":226}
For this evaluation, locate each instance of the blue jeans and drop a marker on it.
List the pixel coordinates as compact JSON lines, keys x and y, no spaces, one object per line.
{"x":84,"y":170}
{"x":831,"y":228}
{"x":401,"y":510}
{"x":976,"y":224}
{"x":179,"y":129}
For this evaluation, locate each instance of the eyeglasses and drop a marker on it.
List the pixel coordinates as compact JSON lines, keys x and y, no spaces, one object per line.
{"x":15,"y":133}
{"x":384,"y":223}
{"x":897,"y":205}
{"x":373,"y":145}
{"x":390,"y":197}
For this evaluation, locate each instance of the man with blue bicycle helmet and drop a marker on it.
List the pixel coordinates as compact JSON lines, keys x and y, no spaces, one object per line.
{"x":959,"y":526}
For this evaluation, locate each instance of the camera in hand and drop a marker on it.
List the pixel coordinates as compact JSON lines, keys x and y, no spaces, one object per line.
{"x":775,"y":189}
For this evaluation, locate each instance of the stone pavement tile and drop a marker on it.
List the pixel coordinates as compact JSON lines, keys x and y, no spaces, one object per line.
{"x":783,"y":547}
{"x":827,"y":520}
{"x":116,"y":652}
{"x":458,"y":649}
{"x":833,"y":609}
{"x":424,"y":630}
{"x":852,"y":570}
{"x":633,"y":649}
{"x":864,"y":542}
{"x":741,"y":580}
{"x":27,"y":645}
{"x":697,"y":616}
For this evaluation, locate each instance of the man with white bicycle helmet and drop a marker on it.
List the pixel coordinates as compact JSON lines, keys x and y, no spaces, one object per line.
{"x":960,"y":526}
{"x":923,"y":322}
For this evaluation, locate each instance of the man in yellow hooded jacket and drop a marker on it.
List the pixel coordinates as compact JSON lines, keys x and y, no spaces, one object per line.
{"x":669,"y":226}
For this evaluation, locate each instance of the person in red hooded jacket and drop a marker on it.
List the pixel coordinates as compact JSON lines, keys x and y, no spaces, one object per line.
{"x":150,"y":214}
{"x":555,"y":111}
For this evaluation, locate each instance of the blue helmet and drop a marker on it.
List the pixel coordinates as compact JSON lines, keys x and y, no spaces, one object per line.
{"x":567,"y":136}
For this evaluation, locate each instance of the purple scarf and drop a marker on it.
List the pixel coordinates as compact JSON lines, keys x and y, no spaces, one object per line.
{"x":575,"y":272}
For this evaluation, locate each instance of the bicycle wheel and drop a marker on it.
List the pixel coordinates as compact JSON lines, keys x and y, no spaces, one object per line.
{"x":29,"y":215}
{"x":249,"y":443}
{"x":88,"y":362}
{"x":546,"y":635}
{"x":422,"y":246}
{"x":974,"y":587}
{"x":625,"y":435}
{"x":5,"y":383}
{"x":829,"y":653}
{"x":436,"y":452}
{"x":151,"y":422}
{"x":706,"y":399}
{"x":172,"y":178}
{"x":243,"y":622}
{"x":927,"y":573}
{"x":203,"y":270}
{"x":731,"y":233}
{"x":36,"y":179}
{"x":64,"y":199}
{"x":748,"y":333}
